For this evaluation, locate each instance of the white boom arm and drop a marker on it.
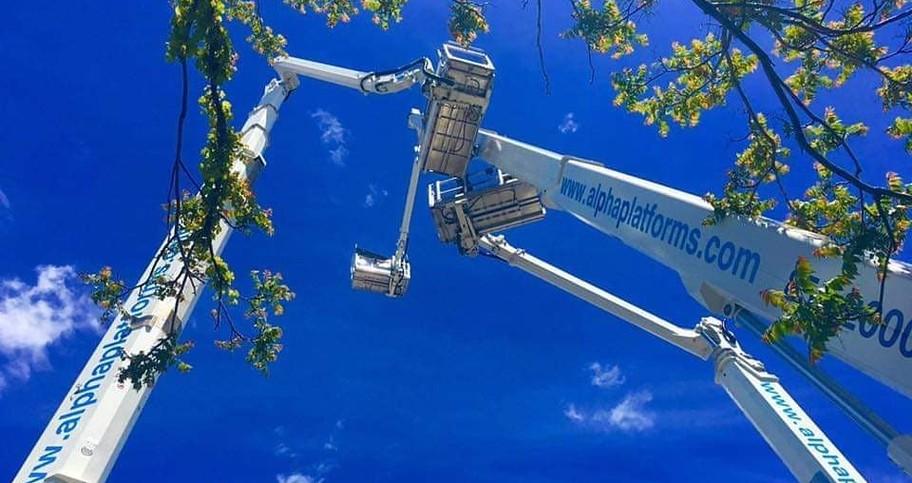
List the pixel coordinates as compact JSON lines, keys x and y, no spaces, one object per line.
{"x":726,"y":266}
{"x":803,"y":447}
{"x":402,"y":242}
{"x":88,"y":430}
{"x":381,"y":82}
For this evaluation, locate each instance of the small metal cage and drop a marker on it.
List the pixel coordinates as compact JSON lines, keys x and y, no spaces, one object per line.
{"x":375,"y":273}
{"x":502,"y":203}
{"x":455,"y":111}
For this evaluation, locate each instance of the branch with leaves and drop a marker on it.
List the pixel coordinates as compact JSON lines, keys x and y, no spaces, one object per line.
{"x":862,"y":220}
{"x":827,"y":44}
{"x":224,"y":198}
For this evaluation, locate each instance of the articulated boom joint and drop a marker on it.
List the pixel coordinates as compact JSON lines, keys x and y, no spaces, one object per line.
{"x":486,"y":202}
{"x":725,"y":347}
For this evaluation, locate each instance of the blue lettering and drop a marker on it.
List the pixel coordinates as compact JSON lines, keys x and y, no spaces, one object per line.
{"x":139,"y":306}
{"x":727,"y":256}
{"x":866,"y":329}
{"x":48,"y":457}
{"x":693,"y":241}
{"x":895,"y":315}
{"x":657,"y":222}
{"x":725,"y":261}
{"x":904,"y":347}
{"x":710,"y":255}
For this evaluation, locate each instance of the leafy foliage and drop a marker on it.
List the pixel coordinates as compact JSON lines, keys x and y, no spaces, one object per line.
{"x":467,"y":20}
{"x":760,"y":162}
{"x":270,"y":296}
{"x":896,"y":91}
{"x":702,"y":83}
{"x":225,"y":200}
{"x":143,"y":368}
{"x":106,"y":293}
{"x":822,"y":46}
{"x":609,"y":30}
{"x":827,"y":44}
{"x":336,"y":11}
{"x":385,"y":12}
{"x":829,"y":208}
{"x":804,"y":301}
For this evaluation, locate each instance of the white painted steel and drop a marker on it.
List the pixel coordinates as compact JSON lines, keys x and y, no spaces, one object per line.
{"x":775,"y":246}
{"x":804,"y":448}
{"x":86,"y":433}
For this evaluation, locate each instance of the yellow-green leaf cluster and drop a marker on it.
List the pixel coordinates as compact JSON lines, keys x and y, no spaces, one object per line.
{"x":270,"y":294}
{"x":262,"y":38}
{"x":816,"y":313}
{"x":385,"y":12}
{"x":759,"y":163}
{"x":703,"y":80}
{"x":467,"y":20}
{"x":336,"y":11}
{"x":607,"y":30}
{"x":106,"y":292}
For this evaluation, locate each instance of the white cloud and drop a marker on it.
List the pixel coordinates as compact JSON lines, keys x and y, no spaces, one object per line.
{"x":569,"y":125}
{"x":337,"y":156}
{"x":333,"y":135}
{"x":297,"y":478}
{"x":283,"y":449}
{"x":34,"y":317}
{"x":630,"y":414}
{"x":573,"y":414}
{"x":605,"y":377}
{"x":6,"y":209}
{"x":374,"y":194}
{"x":330,"y":127}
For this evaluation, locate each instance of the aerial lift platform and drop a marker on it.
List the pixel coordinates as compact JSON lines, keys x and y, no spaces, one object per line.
{"x":724,"y":267}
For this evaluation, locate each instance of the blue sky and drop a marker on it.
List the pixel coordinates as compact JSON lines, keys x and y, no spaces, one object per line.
{"x":480,"y":373}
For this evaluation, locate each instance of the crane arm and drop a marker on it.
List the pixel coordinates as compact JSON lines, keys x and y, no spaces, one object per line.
{"x":685,"y":339}
{"x":380,"y":82}
{"x":797,"y":440}
{"x":86,"y":433}
{"x":726,"y":266}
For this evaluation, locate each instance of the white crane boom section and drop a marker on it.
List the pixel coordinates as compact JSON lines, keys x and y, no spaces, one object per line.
{"x":724,"y":266}
{"x":84,"y":437}
{"x":685,"y":339}
{"x":382,"y":82}
{"x":291,"y":67}
{"x":88,"y":430}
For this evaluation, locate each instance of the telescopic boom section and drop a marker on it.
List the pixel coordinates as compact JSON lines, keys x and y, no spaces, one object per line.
{"x":458,"y":92}
{"x":381,"y":82}
{"x":726,"y":266}
{"x":85,"y":435}
{"x":88,"y":430}
{"x":803,"y":447}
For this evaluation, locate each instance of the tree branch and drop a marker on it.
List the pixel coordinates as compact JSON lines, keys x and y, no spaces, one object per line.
{"x":779,"y":89}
